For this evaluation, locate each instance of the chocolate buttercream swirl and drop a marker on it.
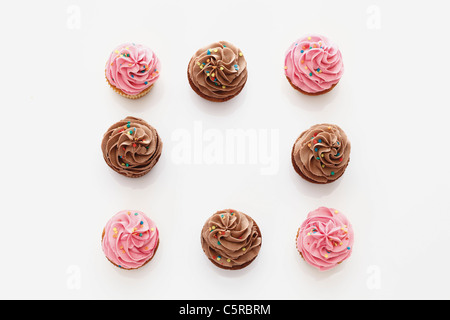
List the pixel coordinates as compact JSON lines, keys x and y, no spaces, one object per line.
{"x":131,"y":147}
{"x":218,"y":71}
{"x":321,"y":154}
{"x":231,"y":239}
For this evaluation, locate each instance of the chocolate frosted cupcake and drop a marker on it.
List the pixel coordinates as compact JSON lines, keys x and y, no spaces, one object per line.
{"x":218,"y":72}
{"x":321,"y":154}
{"x":131,"y":147}
{"x":231,"y":239}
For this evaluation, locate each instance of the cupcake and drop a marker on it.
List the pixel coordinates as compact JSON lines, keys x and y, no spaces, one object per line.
{"x":321,"y":154}
{"x":132,"y":70}
{"x":130,"y":239}
{"x":231,"y":239}
{"x":131,"y":147}
{"x":218,"y":72}
{"x":325,"y":238}
{"x":313,"y":65}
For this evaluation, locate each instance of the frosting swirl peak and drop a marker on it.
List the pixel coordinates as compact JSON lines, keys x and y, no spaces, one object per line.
{"x":322,"y":153}
{"x":325,"y":238}
{"x":131,"y":147}
{"x":130,"y":239}
{"x":218,"y":72}
{"x":313,"y":65}
{"x":231,"y":239}
{"x":132,"y":69}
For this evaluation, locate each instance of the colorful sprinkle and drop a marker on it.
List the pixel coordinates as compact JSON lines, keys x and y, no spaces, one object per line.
{"x":240,"y":54}
{"x":332,"y":173}
{"x":208,"y":52}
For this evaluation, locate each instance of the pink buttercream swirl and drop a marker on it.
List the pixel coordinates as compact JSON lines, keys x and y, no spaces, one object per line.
{"x":132,"y":68}
{"x":313,"y":64}
{"x":325,"y":238}
{"x":130,"y":239}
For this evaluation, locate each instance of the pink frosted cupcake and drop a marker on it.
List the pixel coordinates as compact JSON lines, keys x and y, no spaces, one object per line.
{"x":325,"y":238}
{"x":313,"y":65}
{"x":132,"y":70}
{"x":130,"y":239}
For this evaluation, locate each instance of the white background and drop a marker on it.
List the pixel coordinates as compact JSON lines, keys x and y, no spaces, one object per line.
{"x":57,"y":193}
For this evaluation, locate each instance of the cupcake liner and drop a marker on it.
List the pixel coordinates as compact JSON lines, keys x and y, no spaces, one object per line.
{"x":132,"y":97}
{"x":310,"y":93}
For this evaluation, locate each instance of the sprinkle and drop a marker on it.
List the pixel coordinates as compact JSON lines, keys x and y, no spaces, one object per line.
{"x":341,"y":159}
{"x":127,"y":165}
{"x":302,"y":51}
{"x":240,"y":54}
{"x":309,"y":145}
{"x":318,"y":158}
{"x":310,"y":74}
{"x":146,"y":248}
{"x":146,"y":82}
{"x":213,"y":227}
{"x":221,"y":68}
{"x":132,"y":76}
{"x":320,"y":140}
{"x":302,"y":62}
{"x":152,"y":229}
{"x":335,"y":211}
{"x":348,"y":248}
{"x":134,"y":145}
{"x":323,"y":166}
{"x":135,"y":213}
{"x":228,"y":260}
{"x":321,"y":155}
{"x":285,"y":67}
{"x":218,"y":242}
{"x":131,"y":132}
{"x":224,"y":87}
{"x":208,"y":52}
{"x":129,"y":213}
{"x":218,"y":258}
{"x":326,"y":256}
{"x":243,"y":249}
{"x":222,"y":216}
{"x":142,"y":222}
{"x":140,"y":234}
{"x":306,"y":67}
{"x":215,"y":50}
{"x":309,"y":38}
{"x":316,"y":149}
{"x":332,"y":173}
{"x":337,"y":154}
